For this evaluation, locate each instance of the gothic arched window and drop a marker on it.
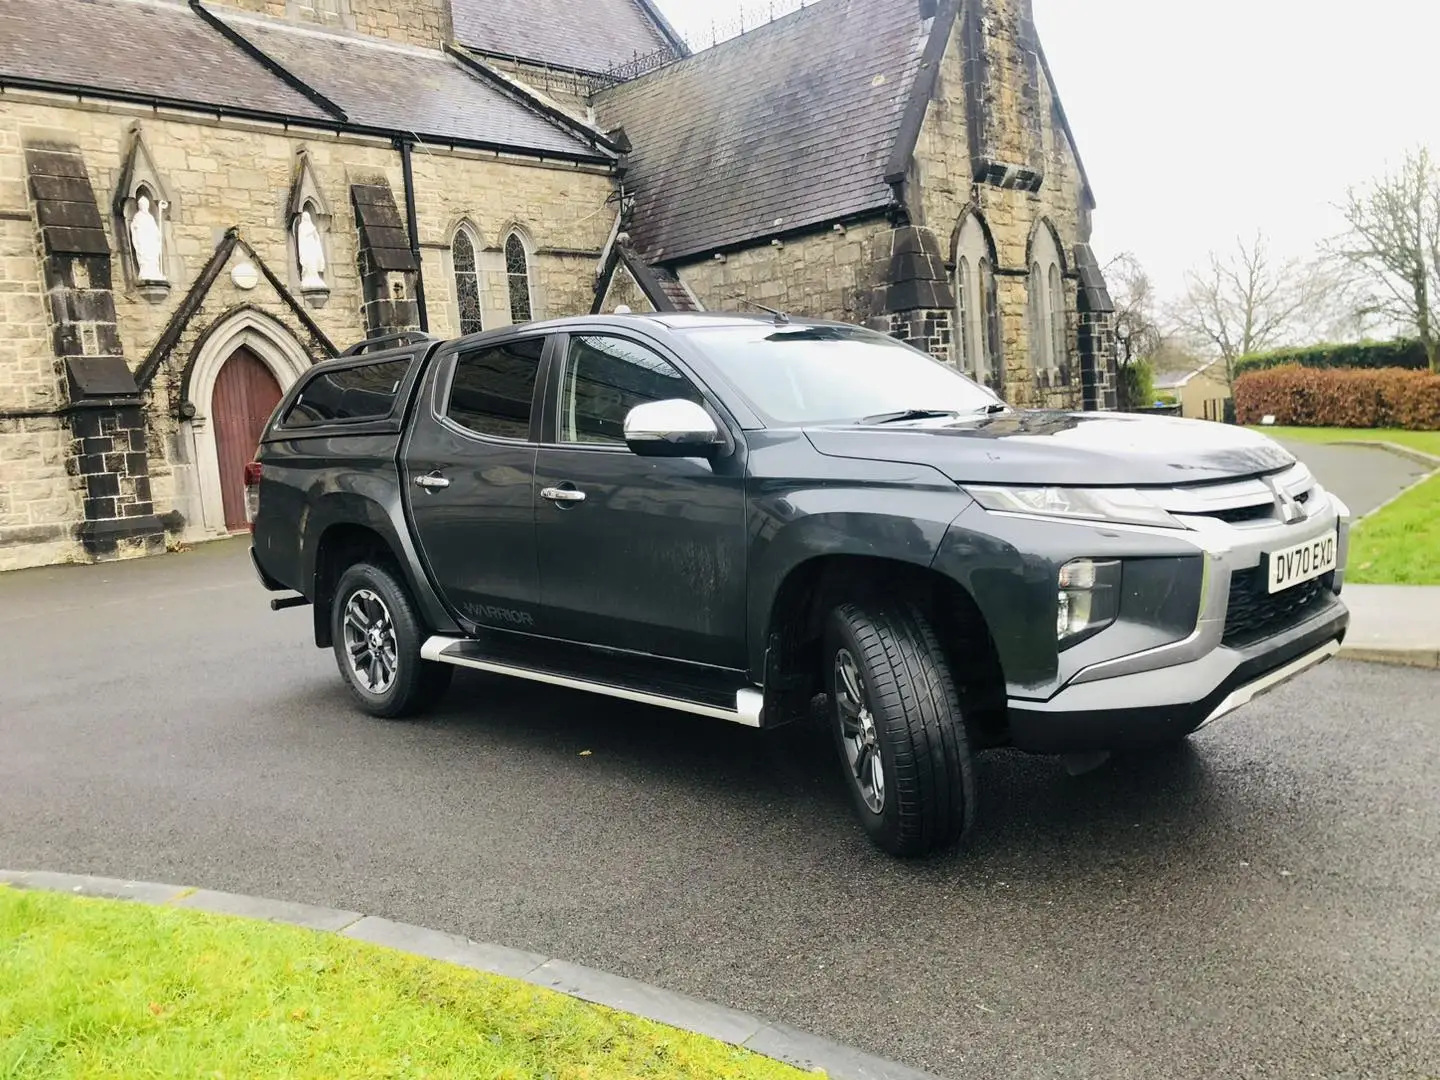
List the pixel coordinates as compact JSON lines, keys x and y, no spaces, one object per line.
{"x":467,"y":281}
{"x":1045,"y":302}
{"x":517,"y":275}
{"x":976,"y":333}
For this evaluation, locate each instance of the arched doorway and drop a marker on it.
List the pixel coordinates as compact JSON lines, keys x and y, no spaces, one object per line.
{"x":245,"y":395}
{"x":208,"y":502}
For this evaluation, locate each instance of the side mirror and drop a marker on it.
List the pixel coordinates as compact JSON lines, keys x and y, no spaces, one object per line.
{"x":674,"y":428}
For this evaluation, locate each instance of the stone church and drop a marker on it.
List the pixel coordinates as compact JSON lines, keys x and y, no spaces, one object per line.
{"x":199,"y":200}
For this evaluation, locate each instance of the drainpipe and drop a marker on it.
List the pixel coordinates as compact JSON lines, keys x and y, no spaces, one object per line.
{"x":413,"y":226}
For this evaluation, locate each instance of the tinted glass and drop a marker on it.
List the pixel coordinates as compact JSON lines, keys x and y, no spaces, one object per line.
{"x":493,"y":389}
{"x":358,"y":393}
{"x":798,"y":375}
{"x":605,"y":378}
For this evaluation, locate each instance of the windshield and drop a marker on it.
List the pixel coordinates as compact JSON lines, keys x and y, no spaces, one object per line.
{"x":829,"y":374}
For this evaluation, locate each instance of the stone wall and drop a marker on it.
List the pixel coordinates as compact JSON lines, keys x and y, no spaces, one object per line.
{"x":994,"y":106}
{"x":562,"y":213}
{"x":39,"y":500}
{"x":235,"y":176}
{"x":824,"y":275}
{"x":414,"y":22}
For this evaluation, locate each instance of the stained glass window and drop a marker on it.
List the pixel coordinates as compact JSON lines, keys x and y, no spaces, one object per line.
{"x":977,"y":301}
{"x":467,"y":283}
{"x":517,"y":272}
{"x":1059,"y":349}
{"x":1046,"y":298}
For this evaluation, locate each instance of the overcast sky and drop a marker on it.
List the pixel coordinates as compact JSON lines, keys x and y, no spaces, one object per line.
{"x":1202,"y":121}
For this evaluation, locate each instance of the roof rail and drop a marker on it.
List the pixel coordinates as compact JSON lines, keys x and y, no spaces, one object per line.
{"x":404,"y":338}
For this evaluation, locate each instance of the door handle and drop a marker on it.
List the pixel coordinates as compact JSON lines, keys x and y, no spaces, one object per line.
{"x":432,"y":482}
{"x":563,"y":495}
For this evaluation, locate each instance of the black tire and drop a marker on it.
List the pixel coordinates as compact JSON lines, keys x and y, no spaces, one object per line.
{"x":414,"y":685}
{"x":916,"y":723}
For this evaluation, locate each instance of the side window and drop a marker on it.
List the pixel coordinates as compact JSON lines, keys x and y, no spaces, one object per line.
{"x":606,"y":377}
{"x":358,"y":393}
{"x":493,"y":389}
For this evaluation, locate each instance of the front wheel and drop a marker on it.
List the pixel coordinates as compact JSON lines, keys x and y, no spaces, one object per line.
{"x":899,"y":728}
{"x":377,"y":645}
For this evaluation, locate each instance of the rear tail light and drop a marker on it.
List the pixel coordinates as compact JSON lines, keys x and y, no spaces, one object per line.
{"x":252,"y":492}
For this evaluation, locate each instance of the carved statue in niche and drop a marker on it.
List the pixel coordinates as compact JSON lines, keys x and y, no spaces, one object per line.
{"x":146,"y":241}
{"x":310,"y":252}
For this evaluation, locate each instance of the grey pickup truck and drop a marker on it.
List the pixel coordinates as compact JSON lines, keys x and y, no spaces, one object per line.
{"x":763,"y":519}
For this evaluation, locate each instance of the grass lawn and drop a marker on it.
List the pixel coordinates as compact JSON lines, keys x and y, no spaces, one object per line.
{"x":1425,"y":441}
{"x":1400,"y":544}
{"x":106,"y":988}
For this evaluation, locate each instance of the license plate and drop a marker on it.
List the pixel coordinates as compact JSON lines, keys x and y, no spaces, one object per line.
{"x":1296,"y":565}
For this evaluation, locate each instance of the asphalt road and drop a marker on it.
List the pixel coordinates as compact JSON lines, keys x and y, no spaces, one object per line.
{"x":1364,"y":477}
{"x":1266,"y":904}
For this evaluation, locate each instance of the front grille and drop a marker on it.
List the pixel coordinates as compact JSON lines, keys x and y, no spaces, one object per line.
{"x":1246,"y":502}
{"x":1255,"y":614}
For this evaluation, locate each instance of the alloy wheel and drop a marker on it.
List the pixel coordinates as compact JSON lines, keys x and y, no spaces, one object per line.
{"x":858,"y":734}
{"x":370,"y":642}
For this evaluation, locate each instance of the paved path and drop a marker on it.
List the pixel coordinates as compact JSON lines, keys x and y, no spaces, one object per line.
{"x":1262,"y":905}
{"x":1364,"y":477}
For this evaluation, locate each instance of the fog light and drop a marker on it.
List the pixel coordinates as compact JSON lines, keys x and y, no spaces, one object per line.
{"x":1088,"y":599}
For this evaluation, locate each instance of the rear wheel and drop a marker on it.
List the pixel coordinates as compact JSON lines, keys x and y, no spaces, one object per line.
{"x":377,"y":640}
{"x":899,"y":729}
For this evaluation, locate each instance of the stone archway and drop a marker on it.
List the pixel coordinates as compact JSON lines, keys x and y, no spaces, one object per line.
{"x":265,"y":340}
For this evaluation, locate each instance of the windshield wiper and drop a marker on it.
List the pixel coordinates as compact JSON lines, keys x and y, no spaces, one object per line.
{"x":993,"y":408}
{"x":908,"y":414}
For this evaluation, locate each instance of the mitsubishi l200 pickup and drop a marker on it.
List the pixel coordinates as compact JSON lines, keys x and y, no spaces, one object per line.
{"x":763,"y":519}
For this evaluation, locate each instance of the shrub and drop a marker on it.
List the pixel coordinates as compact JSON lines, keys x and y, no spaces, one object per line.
{"x":1136,"y":385}
{"x":1304,"y":397}
{"x":1402,"y":353}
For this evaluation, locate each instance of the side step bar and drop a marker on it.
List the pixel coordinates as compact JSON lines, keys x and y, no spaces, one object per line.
{"x":748,"y":702}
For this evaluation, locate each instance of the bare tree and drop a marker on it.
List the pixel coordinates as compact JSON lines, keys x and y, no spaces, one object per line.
{"x":1247,"y":302}
{"x":1394,"y":240}
{"x":1137,"y":328}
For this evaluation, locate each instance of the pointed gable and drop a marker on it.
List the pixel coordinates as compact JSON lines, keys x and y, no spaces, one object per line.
{"x":783,"y":128}
{"x":591,"y":35}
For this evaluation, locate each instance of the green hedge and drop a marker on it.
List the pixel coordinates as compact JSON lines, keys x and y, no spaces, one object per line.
{"x":1392,"y":398}
{"x":1364,"y":355}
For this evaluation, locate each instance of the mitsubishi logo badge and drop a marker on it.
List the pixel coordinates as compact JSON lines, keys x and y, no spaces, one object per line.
{"x":1290,"y":510}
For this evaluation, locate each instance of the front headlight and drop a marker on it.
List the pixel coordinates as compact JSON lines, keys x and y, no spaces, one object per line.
{"x":1086,"y":504}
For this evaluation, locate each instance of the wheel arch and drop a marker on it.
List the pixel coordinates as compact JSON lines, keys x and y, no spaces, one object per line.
{"x":811,"y":589}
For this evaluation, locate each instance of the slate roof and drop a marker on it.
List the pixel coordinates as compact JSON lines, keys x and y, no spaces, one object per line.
{"x":787,"y":126}
{"x":156,"y":48}
{"x":588,"y":35}
{"x":420,"y":91}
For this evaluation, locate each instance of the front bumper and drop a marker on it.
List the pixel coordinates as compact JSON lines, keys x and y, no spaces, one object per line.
{"x":1101,"y":698}
{"x":1152,"y":707}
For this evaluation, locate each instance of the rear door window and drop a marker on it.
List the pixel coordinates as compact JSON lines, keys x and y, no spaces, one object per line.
{"x":366,"y":392}
{"x":492,"y":392}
